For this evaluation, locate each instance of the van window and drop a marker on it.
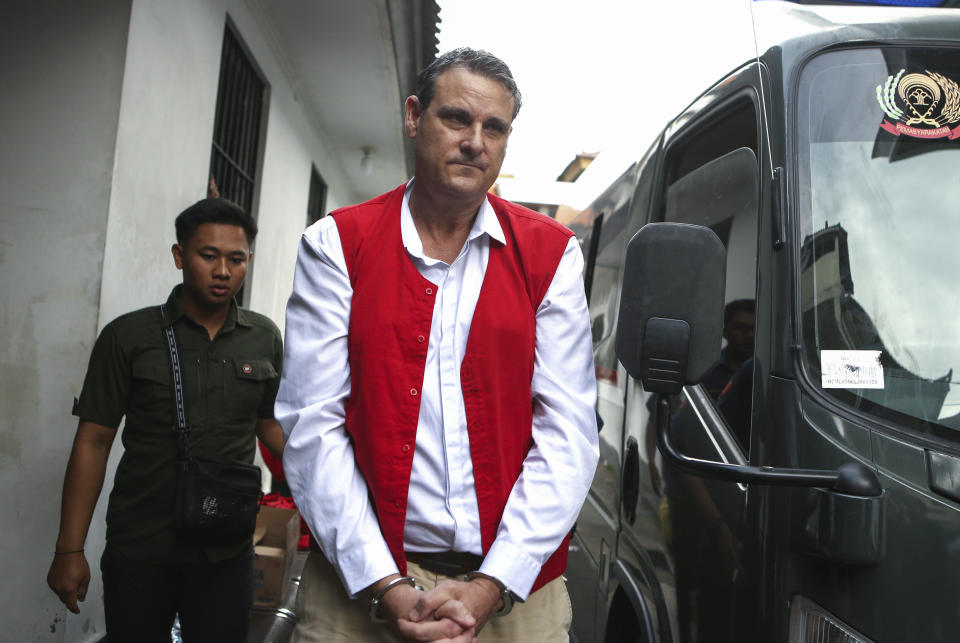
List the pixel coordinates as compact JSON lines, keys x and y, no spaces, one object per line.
{"x":607,"y":266}
{"x":623,"y":208}
{"x":879,"y":144}
{"x":618,"y":222}
{"x":713,"y":181}
{"x":606,"y":269}
{"x":590,"y":251}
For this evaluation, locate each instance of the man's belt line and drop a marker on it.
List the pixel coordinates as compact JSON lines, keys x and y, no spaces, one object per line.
{"x":446,"y":563}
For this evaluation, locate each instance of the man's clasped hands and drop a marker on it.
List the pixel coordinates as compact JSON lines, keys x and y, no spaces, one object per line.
{"x":452,"y":612}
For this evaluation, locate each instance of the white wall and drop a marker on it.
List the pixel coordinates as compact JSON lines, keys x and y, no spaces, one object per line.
{"x":63,"y":61}
{"x":108,"y":139}
{"x":163,"y":145}
{"x":292,"y":144}
{"x":163,"y":154}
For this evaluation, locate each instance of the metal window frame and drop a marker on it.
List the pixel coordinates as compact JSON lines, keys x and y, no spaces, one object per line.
{"x":239,"y":130}
{"x":317,"y":199}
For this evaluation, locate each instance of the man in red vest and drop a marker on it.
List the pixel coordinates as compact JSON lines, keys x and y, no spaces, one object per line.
{"x":438,"y":390}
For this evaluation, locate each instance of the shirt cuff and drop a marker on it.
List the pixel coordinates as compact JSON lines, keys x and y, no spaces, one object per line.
{"x":512,"y":566}
{"x":362,"y":567}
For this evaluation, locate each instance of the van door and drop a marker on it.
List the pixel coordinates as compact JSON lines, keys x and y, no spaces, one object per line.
{"x":690,"y":530}
{"x":604,"y":232}
{"x":873,"y":197}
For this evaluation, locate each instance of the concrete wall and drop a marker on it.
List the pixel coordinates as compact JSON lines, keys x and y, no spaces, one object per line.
{"x":108,"y":139}
{"x":163,"y":154}
{"x":63,"y":61}
{"x":292,"y":145}
{"x":162,"y":147}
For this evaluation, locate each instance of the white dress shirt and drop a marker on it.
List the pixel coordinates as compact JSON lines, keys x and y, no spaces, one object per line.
{"x":442,"y":512}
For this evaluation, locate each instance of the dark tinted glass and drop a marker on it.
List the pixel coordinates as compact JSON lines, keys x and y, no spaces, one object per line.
{"x":879,"y":135}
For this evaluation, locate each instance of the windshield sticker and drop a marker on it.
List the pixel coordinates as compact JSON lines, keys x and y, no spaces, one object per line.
{"x":851,"y":369}
{"x":920,"y":105}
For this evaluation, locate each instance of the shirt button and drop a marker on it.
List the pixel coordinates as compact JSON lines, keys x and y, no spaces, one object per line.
{"x":429,"y":291}
{"x":420,"y":338}
{"x":405,"y":448}
{"x":396,"y":503}
{"x":413,"y":391}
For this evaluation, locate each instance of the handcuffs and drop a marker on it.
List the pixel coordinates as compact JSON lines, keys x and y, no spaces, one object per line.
{"x":508,"y":597}
{"x":378,"y":598}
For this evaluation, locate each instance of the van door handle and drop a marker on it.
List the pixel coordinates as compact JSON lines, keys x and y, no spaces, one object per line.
{"x":630,"y":485}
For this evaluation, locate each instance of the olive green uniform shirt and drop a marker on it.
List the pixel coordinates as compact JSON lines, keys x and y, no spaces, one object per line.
{"x":229,"y":383}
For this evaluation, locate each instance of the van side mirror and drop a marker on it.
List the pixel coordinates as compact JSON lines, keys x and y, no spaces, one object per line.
{"x":668,"y":336}
{"x":671,"y":305}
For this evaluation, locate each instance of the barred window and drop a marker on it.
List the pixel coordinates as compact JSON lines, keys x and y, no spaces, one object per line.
{"x":236,"y":132}
{"x":317,"y":201}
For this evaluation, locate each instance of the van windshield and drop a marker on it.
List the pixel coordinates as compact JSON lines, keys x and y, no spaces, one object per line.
{"x":879,"y":205}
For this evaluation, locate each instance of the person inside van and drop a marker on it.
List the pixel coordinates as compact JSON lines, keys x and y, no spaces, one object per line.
{"x":739,"y":319}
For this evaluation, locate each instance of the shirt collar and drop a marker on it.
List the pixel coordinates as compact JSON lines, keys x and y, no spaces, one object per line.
{"x":173,"y":311}
{"x":485,"y":223}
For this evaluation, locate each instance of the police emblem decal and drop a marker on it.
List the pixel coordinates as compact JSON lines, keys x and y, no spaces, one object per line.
{"x":920,"y":105}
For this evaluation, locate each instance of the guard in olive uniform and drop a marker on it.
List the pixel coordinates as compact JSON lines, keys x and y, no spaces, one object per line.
{"x":230,"y":361}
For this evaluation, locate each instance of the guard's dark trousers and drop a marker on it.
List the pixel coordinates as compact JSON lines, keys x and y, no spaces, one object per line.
{"x":141,"y":599}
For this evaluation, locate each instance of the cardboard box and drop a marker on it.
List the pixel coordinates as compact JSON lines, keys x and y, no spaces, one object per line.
{"x":275,"y":545}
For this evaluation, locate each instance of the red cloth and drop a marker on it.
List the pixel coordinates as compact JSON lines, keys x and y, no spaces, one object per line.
{"x":273,"y":462}
{"x":390,"y":319}
{"x":279,"y":501}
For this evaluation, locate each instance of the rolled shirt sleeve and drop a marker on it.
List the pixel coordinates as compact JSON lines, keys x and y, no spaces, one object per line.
{"x":107,"y":382}
{"x":318,"y":458}
{"x":559,"y":467}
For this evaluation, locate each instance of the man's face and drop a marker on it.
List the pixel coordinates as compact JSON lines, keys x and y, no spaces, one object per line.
{"x":461,"y":138}
{"x":214,"y":263}
{"x":739,"y":333}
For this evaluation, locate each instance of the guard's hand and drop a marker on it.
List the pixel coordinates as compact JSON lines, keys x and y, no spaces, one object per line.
{"x":69,"y":577}
{"x":451,"y":625}
{"x":480,"y":597}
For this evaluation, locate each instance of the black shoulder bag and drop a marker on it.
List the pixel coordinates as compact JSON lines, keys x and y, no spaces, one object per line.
{"x":217,"y":498}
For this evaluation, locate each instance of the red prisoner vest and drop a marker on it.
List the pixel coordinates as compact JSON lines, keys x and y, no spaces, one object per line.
{"x":390,"y":321}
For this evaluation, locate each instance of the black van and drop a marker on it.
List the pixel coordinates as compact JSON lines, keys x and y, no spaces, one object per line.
{"x":817,"y":498}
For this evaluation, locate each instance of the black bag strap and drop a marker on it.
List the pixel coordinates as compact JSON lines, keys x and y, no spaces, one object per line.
{"x":179,"y":407}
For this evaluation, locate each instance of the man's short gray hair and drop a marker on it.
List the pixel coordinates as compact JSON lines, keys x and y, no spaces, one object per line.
{"x":476,"y":60}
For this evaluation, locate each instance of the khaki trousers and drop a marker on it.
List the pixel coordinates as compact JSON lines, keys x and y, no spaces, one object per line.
{"x":325,"y":613}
